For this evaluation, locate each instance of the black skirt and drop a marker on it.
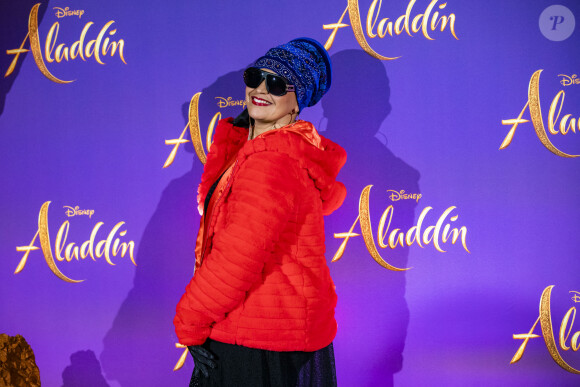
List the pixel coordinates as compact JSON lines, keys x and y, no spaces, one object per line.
{"x":243,"y":366}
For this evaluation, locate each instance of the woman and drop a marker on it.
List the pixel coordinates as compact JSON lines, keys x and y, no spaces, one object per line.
{"x":260,"y":308}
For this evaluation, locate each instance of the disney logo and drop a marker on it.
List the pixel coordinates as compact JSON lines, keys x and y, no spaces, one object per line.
{"x":568,"y":80}
{"x":70,"y":211}
{"x":401,"y":195}
{"x":60,"y":13}
{"x":225,"y":102}
{"x":575,"y":296}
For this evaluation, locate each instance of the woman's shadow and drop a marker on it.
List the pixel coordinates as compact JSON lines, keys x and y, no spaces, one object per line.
{"x":372,"y":312}
{"x":139,"y":349}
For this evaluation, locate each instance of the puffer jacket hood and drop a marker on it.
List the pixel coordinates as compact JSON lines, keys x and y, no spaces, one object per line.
{"x":321,"y":157}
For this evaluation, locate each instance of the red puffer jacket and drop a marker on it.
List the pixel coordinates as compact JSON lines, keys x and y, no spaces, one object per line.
{"x":264,"y":282}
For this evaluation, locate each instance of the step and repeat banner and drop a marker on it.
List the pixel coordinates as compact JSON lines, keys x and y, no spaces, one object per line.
{"x":455,"y":255}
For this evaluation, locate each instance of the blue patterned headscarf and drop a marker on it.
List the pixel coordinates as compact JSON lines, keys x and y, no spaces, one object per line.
{"x":305,"y":64}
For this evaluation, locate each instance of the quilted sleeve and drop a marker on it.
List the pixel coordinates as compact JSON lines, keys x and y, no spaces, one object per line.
{"x":262,"y":200}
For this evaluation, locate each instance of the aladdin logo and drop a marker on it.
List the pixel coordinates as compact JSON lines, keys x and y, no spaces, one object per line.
{"x":401,"y":195}
{"x":97,"y":48}
{"x":566,"y":123}
{"x":569,"y":80}
{"x":227,"y":102}
{"x":67,"y":12}
{"x":565,"y":342}
{"x":70,"y":211}
{"x":438,"y":234}
{"x":109,"y":248}
{"x":195,"y":133}
{"x":425,"y":22}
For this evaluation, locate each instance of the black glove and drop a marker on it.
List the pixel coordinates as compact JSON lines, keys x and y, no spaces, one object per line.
{"x":202,"y":358}
{"x":242,"y":120}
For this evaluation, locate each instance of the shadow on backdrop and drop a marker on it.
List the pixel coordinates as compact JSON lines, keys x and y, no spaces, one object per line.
{"x":139,"y":349}
{"x":372,"y":312}
{"x":84,"y":371}
{"x":11,"y":36}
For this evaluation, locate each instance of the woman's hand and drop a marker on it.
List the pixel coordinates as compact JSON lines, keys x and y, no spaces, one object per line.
{"x":202,"y":358}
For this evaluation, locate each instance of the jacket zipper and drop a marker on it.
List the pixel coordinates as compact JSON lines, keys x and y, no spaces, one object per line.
{"x":215,"y":206}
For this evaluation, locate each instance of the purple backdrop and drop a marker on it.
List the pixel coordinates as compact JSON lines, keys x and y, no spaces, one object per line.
{"x":428,"y":123}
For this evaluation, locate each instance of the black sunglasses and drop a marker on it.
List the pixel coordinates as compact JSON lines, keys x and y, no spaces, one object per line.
{"x":275,"y":84}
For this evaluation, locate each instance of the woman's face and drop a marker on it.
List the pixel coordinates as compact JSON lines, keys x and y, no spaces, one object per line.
{"x":268,"y":109}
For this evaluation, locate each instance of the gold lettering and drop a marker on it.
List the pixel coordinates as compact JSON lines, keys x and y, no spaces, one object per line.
{"x":443,"y":20}
{"x":194,"y":129}
{"x":108,"y":248}
{"x":413,"y":235}
{"x":27,"y":250}
{"x":405,"y":22}
{"x":536,"y":116}
{"x":514,"y":122}
{"x":16,"y":52}
{"x":381,"y":233}
{"x":398,"y":27}
{"x":552,"y":111}
{"x":50,"y":42}
{"x":78,"y":47}
{"x":382,"y":31}
{"x":182,"y":358}
{"x":526,"y":337}
{"x":90,"y":48}
{"x":35,"y":45}
{"x":414,"y":26}
{"x":355,"y":22}
{"x":100,"y":250}
{"x":546,"y":324}
{"x":563,"y":334}
{"x":195,"y":133}
{"x":407,"y":16}
{"x":397,"y":237}
{"x":365,"y":225}
{"x":61,"y":52}
{"x":95,"y":48}
{"x":545,"y":320}
{"x":425,"y":18}
{"x":569,"y":80}
{"x":85,"y":249}
{"x":211,"y":128}
{"x":346,"y":236}
{"x":60,"y":242}
{"x":575,"y":344}
{"x":124,"y":247}
{"x":571,"y":126}
{"x":45,"y":246}
{"x":455,"y":233}
{"x":428,"y":234}
{"x":109,"y":242}
{"x":72,"y":251}
{"x":366,"y":229}
{"x":92,"y":241}
{"x":113,"y":46}
{"x":370,"y":22}
{"x":175,"y":142}
{"x":334,"y":27}
{"x":99,"y":40}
